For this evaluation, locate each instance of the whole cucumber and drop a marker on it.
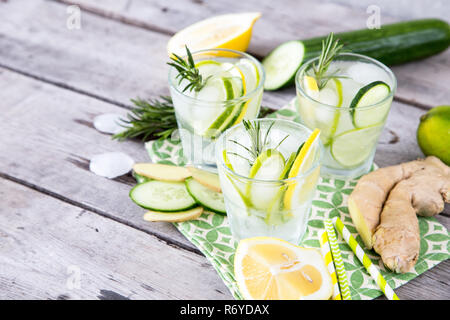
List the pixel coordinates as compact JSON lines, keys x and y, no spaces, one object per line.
{"x":391,"y":44}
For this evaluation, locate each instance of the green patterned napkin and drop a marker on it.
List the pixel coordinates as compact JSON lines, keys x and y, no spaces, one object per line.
{"x":211,"y":234}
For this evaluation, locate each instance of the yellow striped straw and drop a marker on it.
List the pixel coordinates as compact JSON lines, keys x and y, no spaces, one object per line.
{"x":365,"y":260}
{"x":325,"y":248}
{"x":338,"y":262}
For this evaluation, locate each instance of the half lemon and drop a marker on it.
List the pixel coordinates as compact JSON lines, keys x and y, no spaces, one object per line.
{"x":273,"y":269}
{"x":229,"y":31}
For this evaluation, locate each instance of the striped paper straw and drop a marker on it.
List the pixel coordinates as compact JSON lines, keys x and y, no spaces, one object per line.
{"x":325,"y":248}
{"x":365,"y":260}
{"x":338,"y":262}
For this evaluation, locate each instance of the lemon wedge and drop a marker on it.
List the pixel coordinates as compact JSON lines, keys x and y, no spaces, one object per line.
{"x":229,"y":31}
{"x":273,"y":269}
{"x":311,"y":87}
{"x":302,"y":163}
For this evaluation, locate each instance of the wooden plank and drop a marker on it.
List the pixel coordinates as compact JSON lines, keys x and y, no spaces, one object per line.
{"x":434,"y":284}
{"x":420,"y":83}
{"x":43,"y":257}
{"x":55,"y":160}
{"x":65,"y":173}
{"x":116,"y":64}
{"x":53,"y":250}
{"x":57,"y":146}
{"x":51,"y":146}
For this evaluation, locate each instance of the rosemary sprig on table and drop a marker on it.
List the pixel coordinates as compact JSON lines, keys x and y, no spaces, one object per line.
{"x":149,"y":120}
{"x":330,"y":49}
{"x":258,"y":141}
{"x":153,"y":119}
{"x":187,"y":71}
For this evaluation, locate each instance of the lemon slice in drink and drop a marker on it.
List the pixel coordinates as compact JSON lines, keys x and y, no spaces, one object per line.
{"x":351,"y":148}
{"x":311,"y":88}
{"x":251,"y":77}
{"x":295,"y":193}
{"x":216,"y":89}
{"x":268,"y":166}
{"x":306,"y":107}
{"x":208,"y":68}
{"x":229,"y":31}
{"x":273,"y":269}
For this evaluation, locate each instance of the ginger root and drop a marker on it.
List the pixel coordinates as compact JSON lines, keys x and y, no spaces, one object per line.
{"x":385,"y":203}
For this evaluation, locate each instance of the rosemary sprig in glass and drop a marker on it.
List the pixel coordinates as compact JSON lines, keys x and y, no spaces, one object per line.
{"x":187,"y":71}
{"x":330,"y":49}
{"x":259,"y":141}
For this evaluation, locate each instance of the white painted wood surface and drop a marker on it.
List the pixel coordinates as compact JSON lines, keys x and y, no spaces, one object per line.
{"x":50,"y":249}
{"x":55,"y":80}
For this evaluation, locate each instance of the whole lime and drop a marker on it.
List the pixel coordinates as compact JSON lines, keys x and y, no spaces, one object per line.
{"x":433,"y":133}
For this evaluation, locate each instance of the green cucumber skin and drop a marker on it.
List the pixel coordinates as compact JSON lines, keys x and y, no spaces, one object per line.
{"x":392,"y":44}
{"x":215,"y":133}
{"x":130,"y":194}
{"x":354,"y":103}
{"x":139,"y":178}
{"x":208,"y":208}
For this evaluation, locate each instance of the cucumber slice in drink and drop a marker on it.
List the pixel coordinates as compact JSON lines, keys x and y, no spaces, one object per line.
{"x":289,"y":163}
{"x":209,"y":120}
{"x":326,"y":118}
{"x":275,"y":214}
{"x":224,"y":121}
{"x":235,"y":187}
{"x":268,"y":166}
{"x":162,"y":196}
{"x":243,"y":76}
{"x":370,"y":94}
{"x":232,"y":71}
{"x":217,"y":89}
{"x":206,"y":197}
{"x":352,"y":148}
{"x":282,"y":71}
{"x":228,"y":116}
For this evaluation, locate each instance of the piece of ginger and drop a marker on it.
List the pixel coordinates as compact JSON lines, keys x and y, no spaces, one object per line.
{"x":397,"y":237}
{"x":367,"y":199}
{"x":384,"y":204}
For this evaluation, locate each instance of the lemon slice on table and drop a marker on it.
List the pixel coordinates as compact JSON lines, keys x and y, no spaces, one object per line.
{"x":229,"y":31}
{"x":273,"y":269}
{"x":295,"y":193}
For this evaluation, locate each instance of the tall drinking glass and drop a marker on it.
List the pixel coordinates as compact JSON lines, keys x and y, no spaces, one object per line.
{"x":262,"y":198}
{"x":350,"y":110}
{"x":233,"y":91}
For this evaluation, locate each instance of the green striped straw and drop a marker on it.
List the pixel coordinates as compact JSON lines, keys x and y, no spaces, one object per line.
{"x":338,"y":262}
{"x":327,"y":256}
{"x":365,"y":260}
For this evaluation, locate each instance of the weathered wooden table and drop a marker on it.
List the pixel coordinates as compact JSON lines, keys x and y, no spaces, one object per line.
{"x":66,"y":233}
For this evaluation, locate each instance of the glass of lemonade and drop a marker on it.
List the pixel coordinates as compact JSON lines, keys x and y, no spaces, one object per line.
{"x":267,"y":193}
{"x":350,"y":110}
{"x":233,"y":91}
